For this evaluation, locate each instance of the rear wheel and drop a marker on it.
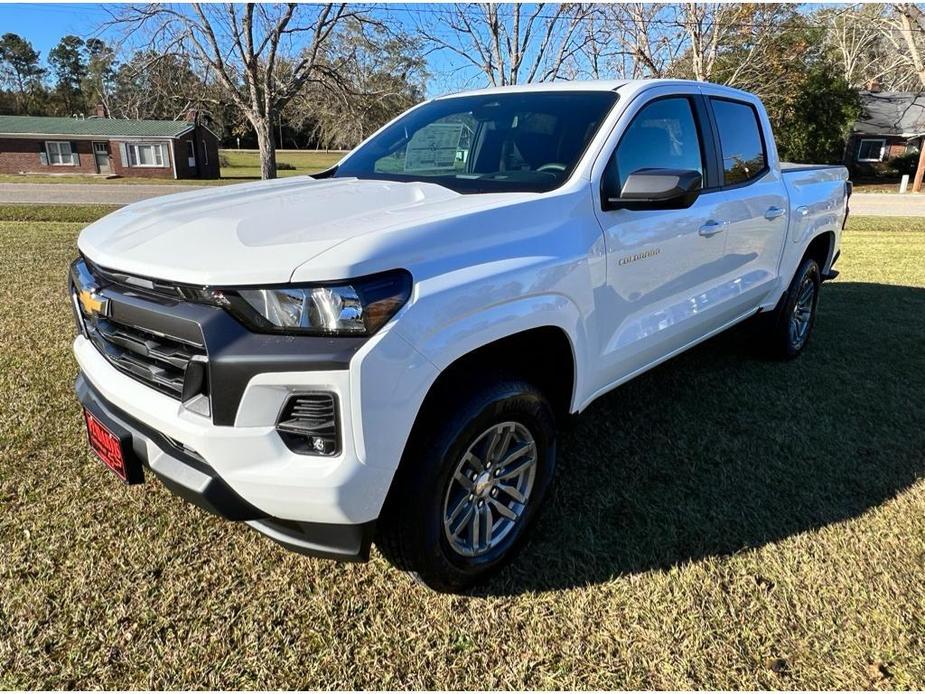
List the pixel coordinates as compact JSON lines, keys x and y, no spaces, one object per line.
{"x":470,"y":487}
{"x":791,"y":324}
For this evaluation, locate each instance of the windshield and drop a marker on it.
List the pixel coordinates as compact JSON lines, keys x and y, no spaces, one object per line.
{"x":490,"y":143}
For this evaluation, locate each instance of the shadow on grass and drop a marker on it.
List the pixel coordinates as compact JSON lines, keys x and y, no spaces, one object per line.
{"x":719,"y":450}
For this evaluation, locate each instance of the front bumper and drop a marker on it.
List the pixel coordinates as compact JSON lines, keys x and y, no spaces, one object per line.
{"x":186,"y":474}
{"x":250,"y":457}
{"x":153,"y":360}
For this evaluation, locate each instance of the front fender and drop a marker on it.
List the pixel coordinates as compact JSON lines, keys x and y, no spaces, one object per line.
{"x":458,"y":336}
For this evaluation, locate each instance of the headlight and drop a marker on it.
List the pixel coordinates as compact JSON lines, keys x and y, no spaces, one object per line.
{"x":358,"y":307}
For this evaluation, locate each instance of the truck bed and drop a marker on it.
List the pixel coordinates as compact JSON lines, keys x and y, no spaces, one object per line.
{"x":787,"y":167}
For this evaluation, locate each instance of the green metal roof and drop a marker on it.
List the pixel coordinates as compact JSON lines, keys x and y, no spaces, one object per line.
{"x":95,"y":127}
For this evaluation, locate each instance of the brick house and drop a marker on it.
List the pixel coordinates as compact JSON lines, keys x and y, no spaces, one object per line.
{"x":891,"y":124}
{"x":109,"y":146}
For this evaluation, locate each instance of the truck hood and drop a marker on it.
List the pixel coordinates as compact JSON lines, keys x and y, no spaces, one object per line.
{"x":259,"y":233}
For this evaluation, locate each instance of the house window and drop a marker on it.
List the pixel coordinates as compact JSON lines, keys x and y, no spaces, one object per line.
{"x":59,"y":153}
{"x":205,"y":153}
{"x":142,"y":155}
{"x":871,"y":149}
{"x":190,"y":149}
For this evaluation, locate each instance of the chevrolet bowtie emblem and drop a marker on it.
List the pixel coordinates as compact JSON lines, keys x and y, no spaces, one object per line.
{"x":92,"y":303}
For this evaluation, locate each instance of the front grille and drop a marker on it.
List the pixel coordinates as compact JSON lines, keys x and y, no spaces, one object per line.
{"x":170,"y":364}
{"x":157,"y":360}
{"x":308,"y":423}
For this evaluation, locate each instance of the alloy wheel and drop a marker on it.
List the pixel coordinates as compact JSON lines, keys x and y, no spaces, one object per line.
{"x":801,"y":317}
{"x":490,"y":489}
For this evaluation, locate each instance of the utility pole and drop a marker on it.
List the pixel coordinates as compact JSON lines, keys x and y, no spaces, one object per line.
{"x":920,"y":171}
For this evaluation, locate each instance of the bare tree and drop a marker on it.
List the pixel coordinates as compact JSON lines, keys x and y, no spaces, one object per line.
{"x":854,"y":37}
{"x":262,"y":55}
{"x":509,"y":44}
{"x":707,"y":26}
{"x":637,"y":40}
{"x":386,"y":75}
{"x":912,"y":22}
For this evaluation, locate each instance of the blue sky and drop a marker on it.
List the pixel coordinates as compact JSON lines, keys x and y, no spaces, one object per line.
{"x":44,"y":24}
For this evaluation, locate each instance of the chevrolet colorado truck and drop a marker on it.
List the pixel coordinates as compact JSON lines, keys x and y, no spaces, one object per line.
{"x":383,"y":352}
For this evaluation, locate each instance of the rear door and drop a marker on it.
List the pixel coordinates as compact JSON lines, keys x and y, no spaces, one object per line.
{"x":752,"y":199}
{"x":664,"y":266}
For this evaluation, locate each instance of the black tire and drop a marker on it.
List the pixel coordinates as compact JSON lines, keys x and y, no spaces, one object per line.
{"x":782,"y":340}
{"x":411,"y":532}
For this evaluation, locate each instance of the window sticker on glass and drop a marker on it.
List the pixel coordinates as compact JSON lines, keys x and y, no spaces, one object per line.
{"x":434,"y":147}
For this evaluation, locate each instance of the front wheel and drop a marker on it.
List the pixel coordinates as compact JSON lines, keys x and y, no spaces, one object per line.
{"x":467,"y":493}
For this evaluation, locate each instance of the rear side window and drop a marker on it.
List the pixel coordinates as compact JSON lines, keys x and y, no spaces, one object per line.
{"x":744,"y":157}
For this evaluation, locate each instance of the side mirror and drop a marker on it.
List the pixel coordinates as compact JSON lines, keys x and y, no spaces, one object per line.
{"x":656,"y":189}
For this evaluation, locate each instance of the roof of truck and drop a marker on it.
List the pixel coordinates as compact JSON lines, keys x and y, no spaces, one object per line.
{"x":585,"y":86}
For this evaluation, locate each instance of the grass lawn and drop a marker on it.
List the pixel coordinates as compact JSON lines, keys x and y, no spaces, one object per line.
{"x":246,"y":163}
{"x":720,"y":522}
{"x":243,"y":165}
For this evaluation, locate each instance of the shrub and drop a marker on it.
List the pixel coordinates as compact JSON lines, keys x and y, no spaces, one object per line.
{"x":284,"y":166}
{"x":905,"y":163}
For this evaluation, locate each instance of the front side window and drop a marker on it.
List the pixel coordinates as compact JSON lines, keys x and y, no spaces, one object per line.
{"x":527,"y":141}
{"x":59,"y":153}
{"x":145,"y":155}
{"x":663,"y":135}
{"x":871,"y":150}
{"x":740,"y":140}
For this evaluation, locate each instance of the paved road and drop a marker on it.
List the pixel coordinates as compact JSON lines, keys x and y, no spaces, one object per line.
{"x":105,"y":193}
{"x":888,"y":204}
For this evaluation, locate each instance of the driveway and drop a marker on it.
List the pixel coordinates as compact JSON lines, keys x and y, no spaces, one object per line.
{"x":888,"y":204}
{"x":102,"y":193}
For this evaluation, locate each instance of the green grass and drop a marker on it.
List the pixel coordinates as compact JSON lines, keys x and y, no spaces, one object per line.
{"x":720,"y":522}
{"x":246,"y":163}
{"x":28,"y":212}
{"x":243,"y":165}
{"x":879,"y":187}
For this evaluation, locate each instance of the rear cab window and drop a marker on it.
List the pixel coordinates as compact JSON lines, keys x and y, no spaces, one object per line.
{"x":741,"y":141}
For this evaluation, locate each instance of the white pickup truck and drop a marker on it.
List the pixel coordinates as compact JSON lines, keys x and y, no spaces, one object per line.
{"x":383,"y":352}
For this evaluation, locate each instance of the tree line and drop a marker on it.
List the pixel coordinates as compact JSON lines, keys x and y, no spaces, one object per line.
{"x":298,"y":75}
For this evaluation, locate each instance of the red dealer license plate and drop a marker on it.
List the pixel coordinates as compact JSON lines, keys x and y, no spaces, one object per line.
{"x":110,"y":448}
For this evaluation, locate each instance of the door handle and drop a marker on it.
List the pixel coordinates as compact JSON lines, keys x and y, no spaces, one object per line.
{"x":712,"y":227}
{"x":774,"y":213}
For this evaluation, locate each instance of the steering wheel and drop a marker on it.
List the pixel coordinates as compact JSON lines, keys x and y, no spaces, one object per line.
{"x":553,"y":166}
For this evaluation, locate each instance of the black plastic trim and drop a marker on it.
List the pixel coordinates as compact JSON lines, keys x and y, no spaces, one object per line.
{"x":336,"y":541}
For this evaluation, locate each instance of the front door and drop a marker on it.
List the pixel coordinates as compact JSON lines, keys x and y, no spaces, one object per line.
{"x":101,"y":152}
{"x":663,"y":265}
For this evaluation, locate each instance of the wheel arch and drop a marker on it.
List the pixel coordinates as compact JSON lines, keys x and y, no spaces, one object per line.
{"x":543,"y":355}
{"x":821,"y":248}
